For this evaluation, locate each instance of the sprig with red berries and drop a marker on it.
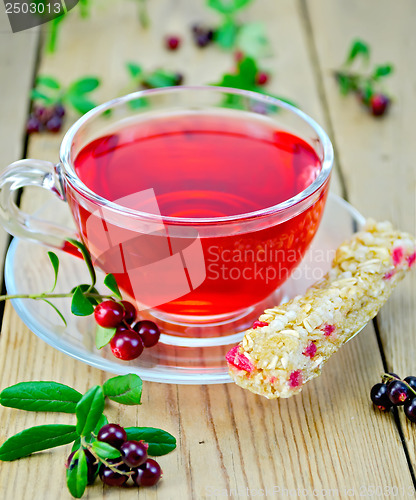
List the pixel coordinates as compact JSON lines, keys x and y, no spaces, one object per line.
{"x":116,"y":318}
{"x":367,"y":85}
{"x":99,"y":448}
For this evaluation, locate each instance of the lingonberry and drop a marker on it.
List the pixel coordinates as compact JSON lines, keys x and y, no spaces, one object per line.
{"x":412,"y":382}
{"x":112,"y":478}
{"x":130,"y":312}
{"x":109,"y":314}
{"x":380,"y":397}
{"x":398,"y":392}
{"x":92,"y":465}
{"x":149,"y":332}
{"x":134,"y":453}
{"x":147,"y":474}
{"x":262,"y":78}
{"x":112,"y":434}
{"x":410,"y":409}
{"x":172,"y":42}
{"x":33,"y":125}
{"x":126,"y":344}
{"x":379,"y":104}
{"x":54,"y":124}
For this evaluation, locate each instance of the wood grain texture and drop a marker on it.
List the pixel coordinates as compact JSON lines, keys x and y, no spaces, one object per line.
{"x":329,"y":437}
{"x":377,"y":156}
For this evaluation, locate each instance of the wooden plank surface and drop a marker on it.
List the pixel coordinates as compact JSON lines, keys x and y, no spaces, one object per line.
{"x":229,"y":440}
{"x":377,"y":156}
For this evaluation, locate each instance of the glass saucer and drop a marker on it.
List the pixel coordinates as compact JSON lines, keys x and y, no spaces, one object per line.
{"x":27,"y":270}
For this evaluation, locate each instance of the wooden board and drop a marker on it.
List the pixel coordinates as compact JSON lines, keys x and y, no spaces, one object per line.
{"x":229,"y":440}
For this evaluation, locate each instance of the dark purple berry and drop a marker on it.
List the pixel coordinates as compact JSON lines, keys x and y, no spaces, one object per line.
{"x":379,"y":104}
{"x":43,"y":114}
{"x":410,"y":410}
{"x":130,"y":312}
{"x":134,"y":453}
{"x":109,"y":314}
{"x":149,"y":332}
{"x":202,"y":35}
{"x":112,"y":478}
{"x":54,"y":124}
{"x":112,"y":434}
{"x":172,"y":42}
{"x":398,"y":392}
{"x":126,"y":344}
{"x":412,"y":382}
{"x":33,"y":125}
{"x":147,"y":474}
{"x":92,"y":464}
{"x":59,"y":110}
{"x":178,"y":79}
{"x":380,"y":397}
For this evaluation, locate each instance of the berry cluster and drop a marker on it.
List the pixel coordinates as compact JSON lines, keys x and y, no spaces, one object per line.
{"x":392,"y":391}
{"x":45,"y":118}
{"x":133,"y":461}
{"x":130,"y":337}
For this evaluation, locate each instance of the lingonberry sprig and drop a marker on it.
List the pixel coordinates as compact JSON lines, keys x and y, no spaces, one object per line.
{"x":115,"y":317}
{"x":366,"y":84}
{"x":99,"y":447}
{"x":50,"y":98}
{"x":394,"y":392}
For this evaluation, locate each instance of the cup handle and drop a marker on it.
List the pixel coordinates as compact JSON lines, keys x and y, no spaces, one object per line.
{"x":24,"y":173}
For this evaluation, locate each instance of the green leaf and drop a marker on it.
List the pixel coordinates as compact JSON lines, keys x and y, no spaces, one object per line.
{"x":55,"y":264}
{"x":104,"y":450}
{"x":381,"y":71}
{"x":358,"y":48}
{"x":247,"y":69}
{"x":80,"y":305}
{"x":103,"y":336}
{"x":56,"y":310}
{"x":134,"y":70}
{"x":87,"y":258}
{"x":252,"y":40}
{"x":160,"y":442}
{"x":139,"y":103}
{"x":35,"y":439}
{"x":226,"y":34}
{"x":89,"y":410}
{"x":103,"y":421}
{"x":111,"y":283}
{"x":77,"y":474}
{"x":227,"y":6}
{"x":76,"y":445}
{"x":88,"y":289}
{"x":160,"y":78}
{"x":84,"y":85}
{"x":81,"y":103}
{"x":48,"y":81}
{"x":124,"y":389}
{"x":35,"y":94}
{"x":40,"y":396}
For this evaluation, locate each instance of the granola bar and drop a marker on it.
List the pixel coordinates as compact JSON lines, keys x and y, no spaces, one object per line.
{"x":289,"y":344}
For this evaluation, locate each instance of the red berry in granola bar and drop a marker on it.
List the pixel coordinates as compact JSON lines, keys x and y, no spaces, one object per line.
{"x":259,"y":324}
{"x":310,"y":350}
{"x":295,"y":379}
{"x":397,"y":255}
{"x":328,"y":329}
{"x":411,"y":259}
{"x":238,"y":360}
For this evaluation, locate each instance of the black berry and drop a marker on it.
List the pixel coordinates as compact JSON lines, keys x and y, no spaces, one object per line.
{"x":126,"y":344}
{"x":412,"y":382}
{"x":33,"y":125}
{"x":149,"y":332}
{"x":398,"y":392}
{"x":147,"y":474}
{"x":380,"y":397}
{"x":379,"y":104}
{"x":134,"y":453}
{"x":202,"y":35}
{"x":112,"y":434}
{"x":130,"y":312}
{"x":112,"y":478}
{"x":54,"y":124}
{"x":109,"y":314}
{"x":410,"y":409}
{"x":59,"y":110}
